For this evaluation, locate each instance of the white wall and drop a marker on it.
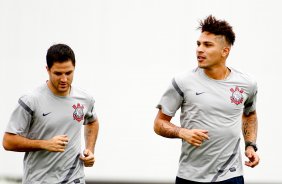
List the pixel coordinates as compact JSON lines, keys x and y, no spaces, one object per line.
{"x":127,"y":52}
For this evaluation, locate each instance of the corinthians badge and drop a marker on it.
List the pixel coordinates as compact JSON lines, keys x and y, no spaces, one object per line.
{"x":237,"y":95}
{"x":78,"y":112}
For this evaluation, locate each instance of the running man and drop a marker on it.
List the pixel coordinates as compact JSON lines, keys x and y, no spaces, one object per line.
{"x":46,"y":125}
{"x":217,"y":104}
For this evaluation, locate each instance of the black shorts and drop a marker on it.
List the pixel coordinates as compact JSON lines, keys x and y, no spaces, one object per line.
{"x":236,"y":180}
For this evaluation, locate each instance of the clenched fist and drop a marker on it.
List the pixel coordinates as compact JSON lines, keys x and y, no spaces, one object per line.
{"x":56,"y":144}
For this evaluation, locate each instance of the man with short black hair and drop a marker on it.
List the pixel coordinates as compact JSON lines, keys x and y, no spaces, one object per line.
{"x":217,"y":104}
{"x":46,"y":125}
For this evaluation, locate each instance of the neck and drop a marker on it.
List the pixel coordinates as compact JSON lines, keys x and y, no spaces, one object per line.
{"x":217,"y":73}
{"x":56,"y":91}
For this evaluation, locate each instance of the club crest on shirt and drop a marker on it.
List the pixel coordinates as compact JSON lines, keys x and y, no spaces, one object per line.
{"x":237,"y":95}
{"x":78,"y":113}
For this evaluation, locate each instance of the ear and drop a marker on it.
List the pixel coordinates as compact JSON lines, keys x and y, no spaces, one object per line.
{"x":225,"y":51}
{"x":48,"y":70}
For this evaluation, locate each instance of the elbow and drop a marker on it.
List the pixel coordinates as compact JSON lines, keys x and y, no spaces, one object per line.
{"x":7,"y":144}
{"x":157,"y":128}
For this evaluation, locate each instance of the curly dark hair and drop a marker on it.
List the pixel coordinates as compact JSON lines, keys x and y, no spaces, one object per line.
{"x":218,"y":27}
{"x":59,"y":53}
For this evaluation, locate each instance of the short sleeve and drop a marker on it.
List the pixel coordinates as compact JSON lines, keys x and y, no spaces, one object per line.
{"x":90,"y":115}
{"x":171,"y":100}
{"x":250,"y":103}
{"x":21,"y":118}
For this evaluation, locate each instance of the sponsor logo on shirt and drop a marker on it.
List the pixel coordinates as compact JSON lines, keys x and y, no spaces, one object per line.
{"x":237,"y":95}
{"x":78,"y":113}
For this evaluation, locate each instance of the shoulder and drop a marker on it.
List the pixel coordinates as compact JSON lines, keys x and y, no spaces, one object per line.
{"x":244,"y":77}
{"x":30,"y":98}
{"x":35,"y":93}
{"x":81,"y":93}
{"x":185,"y":77}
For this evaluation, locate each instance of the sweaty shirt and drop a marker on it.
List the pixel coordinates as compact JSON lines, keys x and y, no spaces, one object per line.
{"x":41,"y":115}
{"x":216,"y":106}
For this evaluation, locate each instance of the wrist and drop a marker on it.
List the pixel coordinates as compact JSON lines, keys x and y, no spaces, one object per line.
{"x":251,"y":144}
{"x":91,"y":149}
{"x":42,"y":144}
{"x":181,"y":132}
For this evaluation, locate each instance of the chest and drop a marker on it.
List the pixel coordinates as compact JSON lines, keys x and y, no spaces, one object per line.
{"x":221,"y":97}
{"x":57,"y":116}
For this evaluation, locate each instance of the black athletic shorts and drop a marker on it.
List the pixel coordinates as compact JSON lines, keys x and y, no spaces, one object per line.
{"x":236,"y":180}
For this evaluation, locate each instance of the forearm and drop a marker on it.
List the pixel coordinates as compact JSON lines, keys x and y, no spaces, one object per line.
{"x":250,"y":127}
{"x":163,"y":126}
{"x":167,"y":129}
{"x":90,"y":135}
{"x":12,"y":142}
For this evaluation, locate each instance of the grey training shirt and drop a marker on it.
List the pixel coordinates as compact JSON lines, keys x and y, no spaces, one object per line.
{"x":42,"y":115}
{"x":216,"y":106}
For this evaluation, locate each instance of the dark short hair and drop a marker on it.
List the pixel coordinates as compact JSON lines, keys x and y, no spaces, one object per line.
{"x":59,"y":53}
{"x":218,"y":27}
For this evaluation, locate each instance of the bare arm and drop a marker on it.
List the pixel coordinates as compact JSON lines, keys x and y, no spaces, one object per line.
{"x":90,"y":135}
{"x":13,"y":142}
{"x":249,"y":128}
{"x":163,"y":127}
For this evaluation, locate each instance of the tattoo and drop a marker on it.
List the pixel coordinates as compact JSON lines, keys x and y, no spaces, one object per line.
{"x":249,"y":127}
{"x":89,"y":132}
{"x":90,"y":135}
{"x":169,"y":130}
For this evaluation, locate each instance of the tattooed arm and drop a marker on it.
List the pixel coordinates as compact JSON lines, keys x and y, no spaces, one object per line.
{"x":249,"y":128}
{"x":165,"y":128}
{"x":90,"y":136}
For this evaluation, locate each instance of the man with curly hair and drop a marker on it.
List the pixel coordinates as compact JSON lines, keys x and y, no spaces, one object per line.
{"x":217,"y":104}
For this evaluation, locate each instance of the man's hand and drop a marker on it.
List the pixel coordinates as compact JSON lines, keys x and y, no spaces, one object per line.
{"x":56,"y":144}
{"x":87,"y":158}
{"x":252,"y":156}
{"x":194,"y":137}
{"x":14,"y":142}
